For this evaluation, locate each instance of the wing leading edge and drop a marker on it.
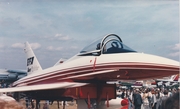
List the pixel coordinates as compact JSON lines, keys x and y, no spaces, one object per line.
{"x":61,"y":85}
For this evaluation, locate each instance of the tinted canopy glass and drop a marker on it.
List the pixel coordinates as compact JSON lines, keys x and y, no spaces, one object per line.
{"x":109,"y":44}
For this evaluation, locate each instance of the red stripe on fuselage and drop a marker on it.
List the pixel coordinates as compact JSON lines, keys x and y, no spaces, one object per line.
{"x":63,"y":73}
{"x":94,"y":66}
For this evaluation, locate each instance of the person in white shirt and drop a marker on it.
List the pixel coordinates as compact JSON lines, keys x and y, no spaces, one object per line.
{"x":145,"y":100}
{"x":130,"y":99}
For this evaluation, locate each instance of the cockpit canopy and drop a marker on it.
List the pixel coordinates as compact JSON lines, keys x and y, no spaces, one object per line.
{"x":111,"y":43}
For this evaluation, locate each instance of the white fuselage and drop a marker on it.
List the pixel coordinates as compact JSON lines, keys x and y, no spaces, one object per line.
{"x":117,"y":66}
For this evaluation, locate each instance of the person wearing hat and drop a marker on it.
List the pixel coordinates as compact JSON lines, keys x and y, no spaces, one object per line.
{"x":137,"y":99}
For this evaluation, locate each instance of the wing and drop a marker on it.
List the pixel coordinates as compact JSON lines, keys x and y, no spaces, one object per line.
{"x":61,"y":85}
{"x":17,"y":71}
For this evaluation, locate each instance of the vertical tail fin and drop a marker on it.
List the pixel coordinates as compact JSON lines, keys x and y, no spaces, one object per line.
{"x":176,"y":77}
{"x":32,"y":62}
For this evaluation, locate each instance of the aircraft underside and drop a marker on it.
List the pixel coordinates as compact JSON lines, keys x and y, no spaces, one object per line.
{"x":96,"y":92}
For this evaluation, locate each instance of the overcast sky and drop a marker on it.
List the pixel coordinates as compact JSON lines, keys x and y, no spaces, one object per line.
{"x":60,"y":29}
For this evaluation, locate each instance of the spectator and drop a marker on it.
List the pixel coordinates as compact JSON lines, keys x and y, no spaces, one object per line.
{"x":159,"y":95}
{"x":171,"y":102}
{"x":123,"y":94}
{"x":130,"y":100}
{"x":149,"y":98}
{"x":32,"y":104}
{"x":137,"y":99}
{"x":169,"y":93}
{"x":45,"y":106}
{"x":163,"y":98}
{"x":174,"y":91}
{"x":153,"y":102}
{"x":145,"y":100}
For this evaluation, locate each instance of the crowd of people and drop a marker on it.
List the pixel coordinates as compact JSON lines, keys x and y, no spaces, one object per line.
{"x":151,"y":98}
{"x":138,"y":98}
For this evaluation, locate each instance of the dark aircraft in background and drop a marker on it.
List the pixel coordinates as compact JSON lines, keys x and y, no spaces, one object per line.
{"x":9,"y":76}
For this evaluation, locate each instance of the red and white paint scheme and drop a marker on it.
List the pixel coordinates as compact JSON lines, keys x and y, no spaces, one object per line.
{"x":102,"y":63}
{"x":85,"y":74}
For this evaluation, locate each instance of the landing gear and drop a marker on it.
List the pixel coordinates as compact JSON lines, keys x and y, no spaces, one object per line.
{"x":37,"y":104}
{"x":58,"y":104}
{"x":17,"y":96}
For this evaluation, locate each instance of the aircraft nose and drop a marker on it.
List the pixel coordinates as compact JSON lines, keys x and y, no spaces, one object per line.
{"x":156,"y":66}
{"x":137,"y":66}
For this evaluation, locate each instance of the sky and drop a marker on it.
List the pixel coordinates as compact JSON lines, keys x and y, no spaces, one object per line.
{"x":60,"y":29}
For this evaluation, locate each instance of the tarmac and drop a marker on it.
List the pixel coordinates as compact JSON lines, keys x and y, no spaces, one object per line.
{"x":70,"y":105}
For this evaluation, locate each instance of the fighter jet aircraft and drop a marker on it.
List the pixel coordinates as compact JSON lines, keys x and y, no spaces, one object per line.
{"x":84,"y":76}
{"x":168,"y":82}
{"x":163,"y":82}
{"x":9,"y":76}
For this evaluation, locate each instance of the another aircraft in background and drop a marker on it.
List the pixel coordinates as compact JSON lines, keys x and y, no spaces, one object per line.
{"x":84,"y":76}
{"x":166,"y":82}
{"x":9,"y":76}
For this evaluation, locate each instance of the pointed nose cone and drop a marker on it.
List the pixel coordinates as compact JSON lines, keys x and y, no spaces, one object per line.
{"x":161,"y":62}
{"x":151,"y":66}
{"x":138,"y":66}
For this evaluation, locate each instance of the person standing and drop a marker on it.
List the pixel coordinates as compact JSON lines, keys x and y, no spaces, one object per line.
{"x":150,"y":98}
{"x":163,"y":98}
{"x":153,"y":102}
{"x":130,"y":99}
{"x":123,"y":94}
{"x":45,"y":106}
{"x":169,"y":93}
{"x":145,"y":100}
{"x":137,"y":99}
{"x":171,"y":102}
{"x":159,"y":95}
